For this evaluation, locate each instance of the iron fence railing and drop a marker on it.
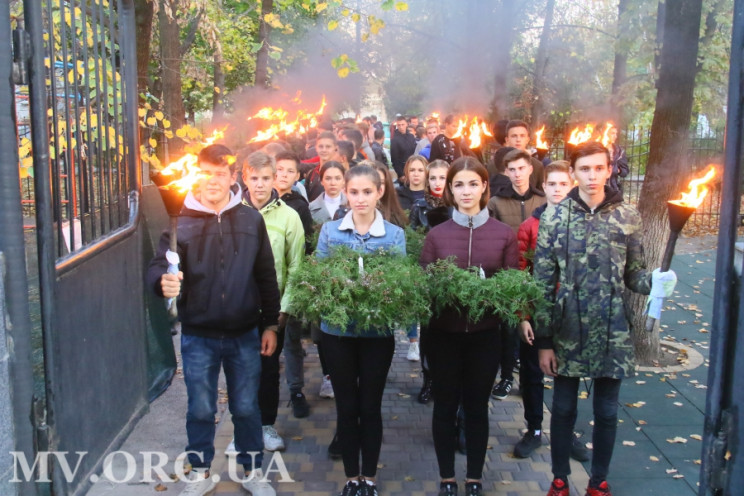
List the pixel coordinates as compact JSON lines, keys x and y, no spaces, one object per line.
{"x":88,"y":142}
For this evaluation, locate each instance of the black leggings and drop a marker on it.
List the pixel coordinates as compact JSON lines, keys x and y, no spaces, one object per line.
{"x":531,"y":385}
{"x":268,"y":389}
{"x":463,"y":367}
{"x":358,"y":369}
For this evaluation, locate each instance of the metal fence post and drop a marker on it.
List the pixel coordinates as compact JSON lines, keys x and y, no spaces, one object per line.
{"x":17,"y":335}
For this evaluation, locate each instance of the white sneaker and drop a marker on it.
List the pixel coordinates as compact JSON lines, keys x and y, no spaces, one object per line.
{"x":272,"y":440}
{"x":413,"y":352}
{"x":257,"y":485}
{"x":199,"y":483}
{"x":326,"y":389}
{"x":231,"y":450}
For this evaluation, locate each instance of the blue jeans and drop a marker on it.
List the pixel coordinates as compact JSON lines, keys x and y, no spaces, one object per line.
{"x":412,"y":332}
{"x":606,"y":392}
{"x":240,"y":357}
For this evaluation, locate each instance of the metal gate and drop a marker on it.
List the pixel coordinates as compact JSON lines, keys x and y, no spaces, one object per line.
{"x":76,"y":122}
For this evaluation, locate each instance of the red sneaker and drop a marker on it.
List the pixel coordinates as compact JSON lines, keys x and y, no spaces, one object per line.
{"x":558,"y":488}
{"x":603,"y":489}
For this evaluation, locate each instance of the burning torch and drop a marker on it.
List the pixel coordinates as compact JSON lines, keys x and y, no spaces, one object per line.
{"x":542,"y":146}
{"x":174,"y":182}
{"x":679,"y":211}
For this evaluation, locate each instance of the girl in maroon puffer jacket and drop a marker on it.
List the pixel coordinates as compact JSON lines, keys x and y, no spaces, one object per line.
{"x":463,"y":354}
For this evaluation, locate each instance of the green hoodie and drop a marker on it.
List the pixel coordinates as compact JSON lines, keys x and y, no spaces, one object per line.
{"x":287,"y":238}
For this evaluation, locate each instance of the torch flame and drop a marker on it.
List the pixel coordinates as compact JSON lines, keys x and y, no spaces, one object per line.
{"x":540,"y":144}
{"x":477,"y":131}
{"x":460,"y":127}
{"x":188,"y":172}
{"x":217,"y":134}
{"x":605,"y":138}
{"x":578,"y":137}
{"x":358,"y":119}
{"x":322,"y":106}
{"x":696,"y":190}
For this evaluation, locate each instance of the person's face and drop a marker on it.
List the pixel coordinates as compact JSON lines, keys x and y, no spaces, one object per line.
{"x":333,"y":182}
{"x":414,"y":122}
{"x":325,"y":148}
{"x":214,"y":185}
{"x":286,"y":175}
{"x":519,"y":172}
{"x":591,"y":174}
{"x":401,"y":126}
{"x":556,"y":186}
{"x":437,"y":180}
{"x":431,"y":133}
{"x":612,"y":135}
{"x":518,"y":137}
{"x":363,"y":194}
{"x":451,"y":128}
{"x":416,"y":175}
{"x":467,"y":189}
{"x":259,"y":182}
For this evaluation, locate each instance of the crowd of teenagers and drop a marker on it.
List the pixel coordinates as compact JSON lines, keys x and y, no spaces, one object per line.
{"x":248,"y":224}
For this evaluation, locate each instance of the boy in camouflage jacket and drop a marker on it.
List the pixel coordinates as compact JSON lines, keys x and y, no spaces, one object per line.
{"x":588,"y":251}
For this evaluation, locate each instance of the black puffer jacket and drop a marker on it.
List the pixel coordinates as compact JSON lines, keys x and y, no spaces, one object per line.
{"x":229,"y":282}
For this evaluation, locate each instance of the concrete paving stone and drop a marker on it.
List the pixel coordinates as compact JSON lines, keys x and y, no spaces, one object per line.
{"x":651,"y":486}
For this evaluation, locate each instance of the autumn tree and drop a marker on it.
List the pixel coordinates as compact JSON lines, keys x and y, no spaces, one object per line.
{"x":667,"y":164}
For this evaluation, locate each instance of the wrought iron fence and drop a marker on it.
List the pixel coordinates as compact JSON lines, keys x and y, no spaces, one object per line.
{"x":86,"y":123}
{"x":705,"y":147}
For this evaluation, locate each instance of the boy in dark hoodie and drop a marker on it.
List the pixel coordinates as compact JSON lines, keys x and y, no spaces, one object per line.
{"x":228,"y":304}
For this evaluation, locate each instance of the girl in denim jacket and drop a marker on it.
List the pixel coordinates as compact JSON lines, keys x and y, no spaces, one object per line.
{"x":359,"y":361}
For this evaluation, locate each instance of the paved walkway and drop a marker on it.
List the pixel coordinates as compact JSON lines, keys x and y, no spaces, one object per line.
{"x":658,"y":406}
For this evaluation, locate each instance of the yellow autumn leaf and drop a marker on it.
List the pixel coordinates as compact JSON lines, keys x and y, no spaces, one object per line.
{"x":27,"y":162}
{"x":181,"y":133}
{"x":355,"y":17}
{"x":166,"y":123}
{"x":168,"y":133}
{"x":343,"y":72}
{"x":151,"y":121}
{"x":159,"y":115}
{"x":401,"y":6}
{"x":23,"y":173}
{"x":217,"y":89}
{"x":332,"y":24}
{"x":141,"y":112}
{"x":47,"y":63}
{"x":365,"y":37}
{"x":345,"y":12}
{"x":321,"y":7}
{"x":153,"y":142}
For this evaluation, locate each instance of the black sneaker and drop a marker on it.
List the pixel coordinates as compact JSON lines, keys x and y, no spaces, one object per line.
{"x":529,"y":443}
{"x":334,"y":449}
{"x":448,"y":489}
{"x":579,"y":452}
{"x":300,"y":406}
{"x":424,"y":395}
{"x":367,"y":489}
{"x":473,"y":489}
{"x":350,"y":489}
{"x":501,"y":390}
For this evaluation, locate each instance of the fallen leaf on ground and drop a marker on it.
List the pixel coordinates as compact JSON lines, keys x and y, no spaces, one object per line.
{"x":160,"y":488}
{"x":653,"y":458}
{"x":696,"y":437}
{"x":677,"y":403}
{"x":671,"y":471}
{"x":678,"y":476}
{"x":628,"y":443}
{"x":297,"y":438}
{"x":677,"y":440}
{"x":408,"y":478}
{"x":642,"y":422}
{"x":637,"y":404}
{"x":640,"y":382}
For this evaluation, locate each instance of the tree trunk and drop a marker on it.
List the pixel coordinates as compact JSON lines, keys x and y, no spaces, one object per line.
{"x":262,"y":58}
{"x":667,"y":165}
{"x":541,"y":62}
{"x":143,"y":14}
{"x":619,"y":71}
{"x":170,"y":71}
{"x":504,"y":25}
{"x":218,"y":107}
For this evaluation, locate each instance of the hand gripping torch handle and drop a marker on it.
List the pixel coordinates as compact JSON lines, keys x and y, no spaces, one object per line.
{"x":666,"y":263}
{"x":173,"y":261}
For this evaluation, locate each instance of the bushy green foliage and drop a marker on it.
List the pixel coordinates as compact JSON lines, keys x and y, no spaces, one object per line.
{"x":390,"y":292}
{"x":414,"y":242}
{"x":511,"y":294}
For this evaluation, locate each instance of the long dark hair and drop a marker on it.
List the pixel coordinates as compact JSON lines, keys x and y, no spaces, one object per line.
{"x":389,"y":205}
{"x":471,"y":164}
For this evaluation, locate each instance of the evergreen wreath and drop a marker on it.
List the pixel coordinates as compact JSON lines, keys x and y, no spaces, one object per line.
{"x":511,"y":294}
{"x":390,"y":292}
